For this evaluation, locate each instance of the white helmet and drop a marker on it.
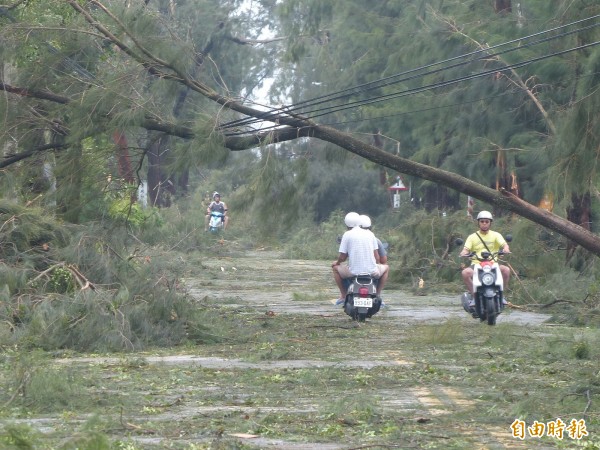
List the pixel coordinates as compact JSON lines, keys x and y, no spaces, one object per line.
{"x":216,"y":194}
{"x":365,"y":221}
{"x":485,"y":215}
{"x":352,"y":220}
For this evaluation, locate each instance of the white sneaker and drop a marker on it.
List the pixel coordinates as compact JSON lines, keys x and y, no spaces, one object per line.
{"x":471,"y":301}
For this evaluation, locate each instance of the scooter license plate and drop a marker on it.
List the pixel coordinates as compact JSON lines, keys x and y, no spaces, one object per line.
{"x":360,"y":302}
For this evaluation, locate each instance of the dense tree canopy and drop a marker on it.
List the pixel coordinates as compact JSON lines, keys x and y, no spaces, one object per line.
{"x":495,"y":103}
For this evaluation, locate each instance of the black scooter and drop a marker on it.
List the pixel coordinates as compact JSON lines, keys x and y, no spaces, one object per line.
{"x":361,"y":299}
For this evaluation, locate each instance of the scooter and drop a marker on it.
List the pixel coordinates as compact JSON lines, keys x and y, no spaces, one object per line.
{"x":215,"y":222}
{"x":488,"y":285}
{"x":361,"y":299}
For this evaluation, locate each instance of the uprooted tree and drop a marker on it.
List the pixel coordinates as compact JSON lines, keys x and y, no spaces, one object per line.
{"x":108,"y":35}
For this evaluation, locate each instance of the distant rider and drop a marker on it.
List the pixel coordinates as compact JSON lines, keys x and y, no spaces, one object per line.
{"x":216,"y":205}
{"x":477,"y":243}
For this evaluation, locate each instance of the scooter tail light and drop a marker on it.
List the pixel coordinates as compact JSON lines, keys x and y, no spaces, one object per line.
{"x":363,"y":291}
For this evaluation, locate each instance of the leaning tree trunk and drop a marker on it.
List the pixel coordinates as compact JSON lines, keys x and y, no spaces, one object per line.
{"x":579,"y":212}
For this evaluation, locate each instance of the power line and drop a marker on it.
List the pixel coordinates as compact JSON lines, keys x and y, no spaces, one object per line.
{"x":431,"y":86}
{"x":450,"y":82}
{"x":394,"y":79}
{"x":433,"y":108}
{"x":334,"y":108}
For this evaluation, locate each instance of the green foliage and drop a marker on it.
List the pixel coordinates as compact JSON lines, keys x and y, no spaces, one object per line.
{"x":581,"y":349}
{"x":61,"y":280}
{"x":317,"y":242}
{"x":101,"y":296}
{"x":21,"y":437}
{"x":24,"y":233}
{"x":124,"y":210}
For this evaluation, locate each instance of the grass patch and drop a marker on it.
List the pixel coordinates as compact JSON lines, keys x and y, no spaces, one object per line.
{"x":453,"y":376}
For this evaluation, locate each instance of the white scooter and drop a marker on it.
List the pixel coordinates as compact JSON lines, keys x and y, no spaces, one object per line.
{"x":215,"y":222}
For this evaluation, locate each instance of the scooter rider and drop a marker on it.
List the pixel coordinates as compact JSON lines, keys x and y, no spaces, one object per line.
{"x":365,"y":224}
{"x":216,"y":205}
{"x":359,"y":248}
{"x":477,"y":243}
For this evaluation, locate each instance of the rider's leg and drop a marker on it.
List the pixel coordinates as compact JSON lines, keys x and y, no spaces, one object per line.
{"x":225,"y":221}
{"x":384,"y":271}
{"x":206,"y":219}
{"x":339,"y":281}
{"x":340,"y":273}
{"x":505,"y":275}
{"x":505,"y":270}
{"x":467,"y":276}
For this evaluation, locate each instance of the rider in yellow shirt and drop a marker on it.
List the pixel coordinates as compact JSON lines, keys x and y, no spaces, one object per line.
{"x":477,"y":243}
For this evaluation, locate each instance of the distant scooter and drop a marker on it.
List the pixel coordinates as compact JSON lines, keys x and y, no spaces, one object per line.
{"x":215,"y":222}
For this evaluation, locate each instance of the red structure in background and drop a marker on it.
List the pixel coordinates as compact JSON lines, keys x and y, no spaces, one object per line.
{"x":395,"y":190}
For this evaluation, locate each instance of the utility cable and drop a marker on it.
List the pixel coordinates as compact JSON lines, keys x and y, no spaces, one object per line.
{"x":393,"y":79}
{"x":433,"y":86}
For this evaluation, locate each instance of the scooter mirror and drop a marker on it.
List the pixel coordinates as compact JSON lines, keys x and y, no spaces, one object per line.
{"x":508,"y":238}
{"x":458,"y":241}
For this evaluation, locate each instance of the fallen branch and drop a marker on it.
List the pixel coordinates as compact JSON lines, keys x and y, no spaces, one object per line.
{"x":514,"y":272}
{"x":547,"y":305}
{"x":45,"y":272}
{"x":379,"y":446}
{"x":589,"y":403}
{"x":519,"y":307}
{"x":131,"y":426}
{"x":20,"y":389}
{"x":84,"y":283}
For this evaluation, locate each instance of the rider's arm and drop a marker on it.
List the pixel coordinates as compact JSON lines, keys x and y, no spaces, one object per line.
{"x":341,"y":258}
{"x":208,"y":210}
{"x":224,"y":209}
{"x":377,"y":256}
{"x":506,"y":248}
{"x":470,"y":245}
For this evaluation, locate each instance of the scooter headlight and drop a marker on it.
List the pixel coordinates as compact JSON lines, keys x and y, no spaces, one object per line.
{"x":487,"y":279}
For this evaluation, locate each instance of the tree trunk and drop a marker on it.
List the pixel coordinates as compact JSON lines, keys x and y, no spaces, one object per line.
{"x":69,"y":184}
{"x":125,"y":170}
{"x":579,"y":213}
{"x":502,"y":6}
{"x":160,"y":188}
